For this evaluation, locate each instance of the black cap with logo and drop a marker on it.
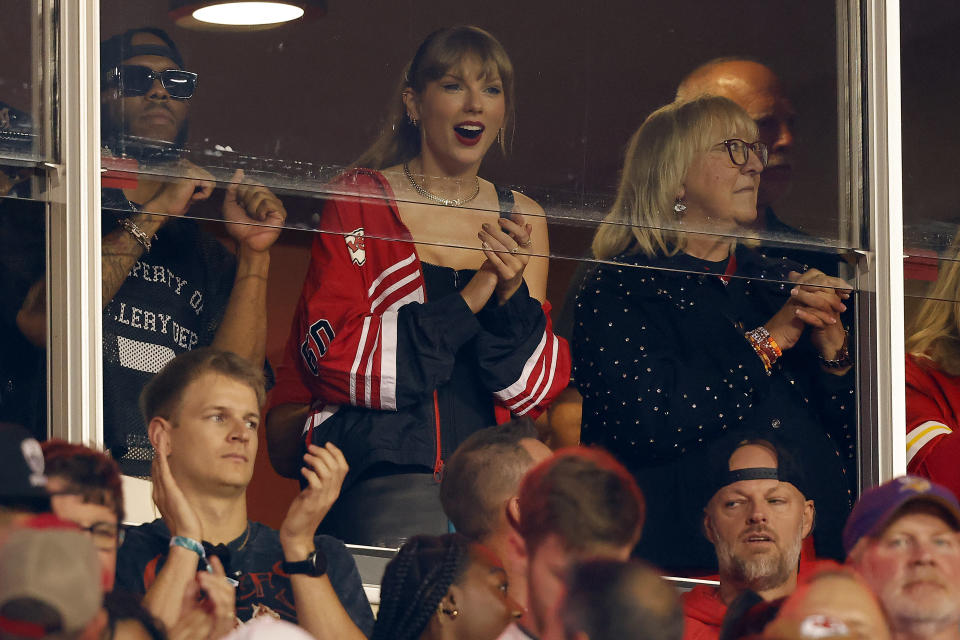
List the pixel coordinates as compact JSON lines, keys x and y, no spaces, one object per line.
{"x":23,"y":484}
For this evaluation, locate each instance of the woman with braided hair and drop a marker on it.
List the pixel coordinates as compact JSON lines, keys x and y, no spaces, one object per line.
{"x":444,"y":588}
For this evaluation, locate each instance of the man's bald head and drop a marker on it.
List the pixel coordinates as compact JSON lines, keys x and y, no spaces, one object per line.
{"x":757,"y":89}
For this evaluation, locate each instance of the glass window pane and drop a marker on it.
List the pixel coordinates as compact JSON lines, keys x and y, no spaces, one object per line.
{"x":375,"y":242}
{"x":561,"y":156}
{"x":930,"y":218}
{"x":25,"y":124}
{"x":25,"y":108}
{"x":23,"y":397}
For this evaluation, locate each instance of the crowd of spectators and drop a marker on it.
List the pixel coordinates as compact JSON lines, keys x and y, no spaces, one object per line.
{"x":567,"y":522}
{"x":716,"y":413}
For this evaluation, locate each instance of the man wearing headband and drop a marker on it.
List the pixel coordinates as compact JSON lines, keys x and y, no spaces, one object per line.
{"x":757,"y":519}
{"x":902,"y":538}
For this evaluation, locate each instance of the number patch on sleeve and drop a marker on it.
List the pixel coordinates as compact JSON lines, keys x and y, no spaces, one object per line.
{"x":315,"y":346}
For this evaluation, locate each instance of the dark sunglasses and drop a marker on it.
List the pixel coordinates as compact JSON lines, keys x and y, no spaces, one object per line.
{"x":136,"y":80}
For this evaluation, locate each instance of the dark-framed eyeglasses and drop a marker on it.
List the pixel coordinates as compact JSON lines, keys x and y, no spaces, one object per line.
{"x":136,"y":80}
{"x":106,"y":535}
{"x":739,"y":151}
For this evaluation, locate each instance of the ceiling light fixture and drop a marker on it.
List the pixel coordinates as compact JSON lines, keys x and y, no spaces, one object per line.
{"x":242,"y":15}
{"x":248,"y":13}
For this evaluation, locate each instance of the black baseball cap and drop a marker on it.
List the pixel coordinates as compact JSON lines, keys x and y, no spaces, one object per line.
{"x":120,"y":47}
{"x":718,"y":471}
{"x":22,"y":480}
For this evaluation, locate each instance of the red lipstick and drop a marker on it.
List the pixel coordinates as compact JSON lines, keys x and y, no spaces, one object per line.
{"x":468,"y":133}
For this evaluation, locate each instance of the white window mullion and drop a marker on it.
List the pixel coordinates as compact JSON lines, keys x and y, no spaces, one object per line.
{"x":74,"y":356}
{"x":885,"y":200}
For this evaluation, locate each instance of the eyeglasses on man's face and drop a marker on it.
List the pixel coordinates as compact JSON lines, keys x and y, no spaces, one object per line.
{"x":136,"y":80}
{"x":739,"y":151}
{"x":106,"y":536}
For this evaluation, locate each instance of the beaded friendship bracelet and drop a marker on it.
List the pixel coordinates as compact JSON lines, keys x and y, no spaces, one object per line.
{"x":764,"y":346}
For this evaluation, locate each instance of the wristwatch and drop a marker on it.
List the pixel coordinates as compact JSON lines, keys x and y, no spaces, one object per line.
{"x":314,"y":566}
{"x":842,"y":359}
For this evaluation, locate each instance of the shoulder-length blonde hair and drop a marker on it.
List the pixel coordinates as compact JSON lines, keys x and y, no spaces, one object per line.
{"x":655,"y":165}
{"x":935,"y":331}
{"x":440,"y":52}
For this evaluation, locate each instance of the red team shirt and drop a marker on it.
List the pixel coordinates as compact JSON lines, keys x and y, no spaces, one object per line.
{"x":933,"y":408}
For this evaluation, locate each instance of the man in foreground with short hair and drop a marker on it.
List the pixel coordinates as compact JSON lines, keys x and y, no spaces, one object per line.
{"x":578,"y":505}
{"x":902,"y":538}
{"x":203,"y":410}
{"x":85,"y":489}
{"x":613,"y":600}
{"x":757,"y":520}
{"x":480,"y":485}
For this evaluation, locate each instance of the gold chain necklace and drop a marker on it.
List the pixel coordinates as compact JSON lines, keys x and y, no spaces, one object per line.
{"x":426,"y":194}
{"x":246,"y":537}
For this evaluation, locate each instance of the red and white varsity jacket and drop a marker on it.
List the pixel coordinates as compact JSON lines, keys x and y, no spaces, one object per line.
{"x":368,"y":351}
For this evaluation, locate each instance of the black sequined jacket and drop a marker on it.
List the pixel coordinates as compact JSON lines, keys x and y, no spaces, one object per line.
{"x":664,"y":368}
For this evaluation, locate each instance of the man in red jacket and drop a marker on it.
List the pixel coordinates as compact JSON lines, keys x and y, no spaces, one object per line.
{"x":757,"y":520}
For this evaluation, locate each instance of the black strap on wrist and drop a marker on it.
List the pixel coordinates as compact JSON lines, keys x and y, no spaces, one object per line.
{"x":314,"y":566}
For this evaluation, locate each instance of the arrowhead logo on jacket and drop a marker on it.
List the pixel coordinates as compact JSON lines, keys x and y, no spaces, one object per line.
{"x":355,"y":245}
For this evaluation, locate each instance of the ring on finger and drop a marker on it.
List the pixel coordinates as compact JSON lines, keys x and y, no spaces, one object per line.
{"x":515,"y":249}
{"x":527,"y":244}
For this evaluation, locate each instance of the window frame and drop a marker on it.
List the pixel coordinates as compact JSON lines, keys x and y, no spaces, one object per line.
{"x":869,"y":165}
{"x":74,"y":354}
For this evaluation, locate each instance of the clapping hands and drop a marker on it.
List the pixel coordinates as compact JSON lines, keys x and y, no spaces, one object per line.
{"x":816,"y":301}
{"x":324,"y":470}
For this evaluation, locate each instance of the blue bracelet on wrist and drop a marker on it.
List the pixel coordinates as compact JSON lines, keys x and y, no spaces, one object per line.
{"x":192,"y":545}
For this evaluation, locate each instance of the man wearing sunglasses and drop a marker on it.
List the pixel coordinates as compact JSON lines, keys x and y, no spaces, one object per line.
{"x":167,"y":286}
{"x":145,"y":96}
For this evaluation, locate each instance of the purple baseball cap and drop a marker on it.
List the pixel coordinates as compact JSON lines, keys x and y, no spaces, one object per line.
{"x":877,"y":506}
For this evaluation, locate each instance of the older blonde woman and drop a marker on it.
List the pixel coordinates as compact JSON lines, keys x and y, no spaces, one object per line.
{"x":682,"y":339}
